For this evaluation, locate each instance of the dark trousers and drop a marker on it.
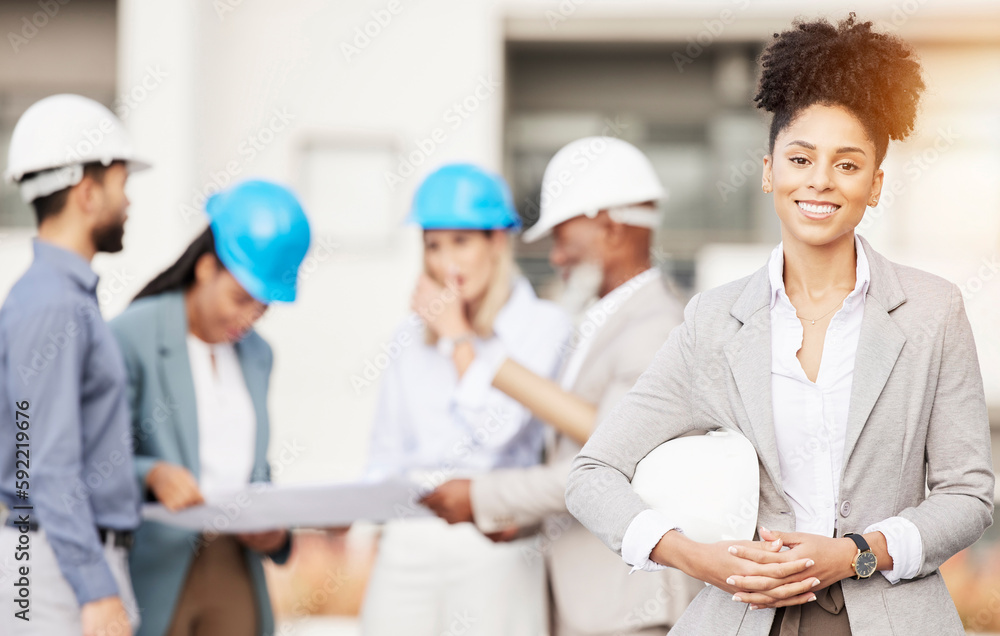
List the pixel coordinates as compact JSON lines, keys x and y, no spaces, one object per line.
{"x":218,"y":598}
{"x":826,"y":616}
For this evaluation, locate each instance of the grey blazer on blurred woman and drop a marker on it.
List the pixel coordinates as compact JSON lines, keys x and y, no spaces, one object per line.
{"x":917,"y":421}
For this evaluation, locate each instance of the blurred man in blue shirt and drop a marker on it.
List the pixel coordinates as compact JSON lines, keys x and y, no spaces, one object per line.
{"x":71,"y":501}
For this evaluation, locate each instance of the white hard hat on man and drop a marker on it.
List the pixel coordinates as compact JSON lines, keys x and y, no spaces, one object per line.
{"x":57,"y":136}
{"x":593,"y":174}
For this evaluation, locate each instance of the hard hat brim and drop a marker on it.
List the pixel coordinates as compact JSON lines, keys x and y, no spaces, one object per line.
{"x":536,"y":232}
{"x":134,"y":165}
{"x":137,"y":165}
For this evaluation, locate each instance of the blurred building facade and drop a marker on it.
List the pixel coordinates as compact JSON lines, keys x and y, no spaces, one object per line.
{"x":352,"y":103}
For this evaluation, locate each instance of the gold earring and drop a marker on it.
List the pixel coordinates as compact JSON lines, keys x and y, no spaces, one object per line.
{"x":765,"y":189}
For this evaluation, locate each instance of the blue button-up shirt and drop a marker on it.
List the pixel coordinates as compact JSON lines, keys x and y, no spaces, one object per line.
{"x":58,"y":355}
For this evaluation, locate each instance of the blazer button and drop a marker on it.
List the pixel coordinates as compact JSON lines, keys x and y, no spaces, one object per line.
{"x":845,"y":509}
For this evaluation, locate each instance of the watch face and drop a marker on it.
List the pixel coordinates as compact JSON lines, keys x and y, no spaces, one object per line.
{"x":865,"y":564}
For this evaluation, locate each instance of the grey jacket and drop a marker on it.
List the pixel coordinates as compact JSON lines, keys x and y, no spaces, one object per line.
{"x":917,"y":444}
{"x":592,"y":590}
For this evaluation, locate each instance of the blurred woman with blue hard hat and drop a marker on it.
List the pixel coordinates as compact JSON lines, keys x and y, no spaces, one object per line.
{"x":438,"y":417}
{"x":198,"y":376}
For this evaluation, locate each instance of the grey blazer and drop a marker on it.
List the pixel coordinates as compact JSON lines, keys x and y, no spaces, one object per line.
{"x":590,"y":586}
{"x":917,"y":444}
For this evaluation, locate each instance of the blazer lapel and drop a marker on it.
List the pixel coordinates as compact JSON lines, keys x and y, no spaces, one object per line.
{"x":749,"y":357}
{"x":175,"y":372}
{"x":879,"y":345}
{"x":611,"y":328}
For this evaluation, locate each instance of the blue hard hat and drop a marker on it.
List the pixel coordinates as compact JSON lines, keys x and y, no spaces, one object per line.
{"x":261,"y":236}
{"x":461,"y":196}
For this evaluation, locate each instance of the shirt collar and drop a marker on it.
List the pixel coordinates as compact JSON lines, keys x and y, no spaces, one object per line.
{"x":776,"y":266}
{"x":69,"y":263}
{"x":598,"y":304}
{"x":511,"y":315}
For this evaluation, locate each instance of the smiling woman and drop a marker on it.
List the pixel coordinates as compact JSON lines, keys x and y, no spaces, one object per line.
{"x":888,"y":473}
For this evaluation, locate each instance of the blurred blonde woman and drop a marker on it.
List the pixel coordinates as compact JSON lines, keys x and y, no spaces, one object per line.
{"x":438,"y":417}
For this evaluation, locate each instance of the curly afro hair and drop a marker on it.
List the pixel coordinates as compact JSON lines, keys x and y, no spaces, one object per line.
{"x":873,"y":75}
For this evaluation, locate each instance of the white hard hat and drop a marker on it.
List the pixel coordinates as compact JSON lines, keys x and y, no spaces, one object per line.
{"x":707,"y":485}
{"x":57,"y":136}
{"x":593,"y":174}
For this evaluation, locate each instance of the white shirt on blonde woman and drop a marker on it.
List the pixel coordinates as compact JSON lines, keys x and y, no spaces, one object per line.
{"x":428,"y":421}
{"x":227,"y":423}
{"x":810,"y":426}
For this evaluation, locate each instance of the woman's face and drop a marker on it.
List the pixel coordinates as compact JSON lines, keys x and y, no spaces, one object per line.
{"x":225,"y":310}
{"x":823,"y":175}
{"x":467,"y":257}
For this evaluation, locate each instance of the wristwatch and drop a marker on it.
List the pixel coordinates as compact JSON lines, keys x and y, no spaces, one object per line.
{"x":865,"y":562}
{"x":446,"y":346}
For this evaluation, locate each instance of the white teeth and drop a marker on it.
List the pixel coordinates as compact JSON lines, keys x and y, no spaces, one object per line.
{"x":818,"y":209}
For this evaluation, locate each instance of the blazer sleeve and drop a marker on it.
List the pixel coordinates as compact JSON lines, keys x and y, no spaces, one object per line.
{"x":958,"y":450}
{"x":519,"y":497}
{"x":656,"y":409}
{"x":524,"y":497}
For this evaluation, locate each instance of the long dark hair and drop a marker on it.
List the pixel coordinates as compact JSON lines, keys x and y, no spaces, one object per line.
{"x":180,"y":275}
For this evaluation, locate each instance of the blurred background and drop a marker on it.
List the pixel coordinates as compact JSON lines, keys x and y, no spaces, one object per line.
{"x":353,"y":102}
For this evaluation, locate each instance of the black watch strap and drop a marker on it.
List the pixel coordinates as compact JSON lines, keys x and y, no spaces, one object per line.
{"x":859,"y":541}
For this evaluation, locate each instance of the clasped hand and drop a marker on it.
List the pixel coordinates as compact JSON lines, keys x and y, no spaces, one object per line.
{"x":761,"y":574}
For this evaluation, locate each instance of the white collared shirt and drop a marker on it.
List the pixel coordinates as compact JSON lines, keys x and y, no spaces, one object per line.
{"x":227,"y":423}
{"x":810,"y":425}
{"x":434,"y":426}
{"x":594,"y":318}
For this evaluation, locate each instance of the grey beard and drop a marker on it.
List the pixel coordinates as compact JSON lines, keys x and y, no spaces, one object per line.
{"x":581,"y":288}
